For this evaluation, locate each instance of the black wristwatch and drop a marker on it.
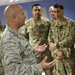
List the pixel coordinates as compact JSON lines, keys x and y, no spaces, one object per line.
{"x":57,"y":45}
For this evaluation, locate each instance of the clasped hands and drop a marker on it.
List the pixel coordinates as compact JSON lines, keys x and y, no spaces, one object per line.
{"x":53,"y":48}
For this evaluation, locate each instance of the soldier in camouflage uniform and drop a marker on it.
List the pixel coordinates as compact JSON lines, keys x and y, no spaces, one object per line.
{"x":61,"y":40}
{"x":1,"y":32}
{"x":37,"y":29}
{"x":18,"y":57}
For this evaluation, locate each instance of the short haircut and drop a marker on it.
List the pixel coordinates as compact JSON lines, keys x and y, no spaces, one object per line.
{"x":36,"y":5}
{"x":59,"y":5}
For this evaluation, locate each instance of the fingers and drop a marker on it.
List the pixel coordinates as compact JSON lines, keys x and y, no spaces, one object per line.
{"x":45,"y":59}
{"x":46,"y":65}
{"x":52,"y":63}
{"x":44,"y":45}
{"x":38,"y":42}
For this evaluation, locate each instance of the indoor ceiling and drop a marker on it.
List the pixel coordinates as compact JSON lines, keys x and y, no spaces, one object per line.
{"x":6,"y":2}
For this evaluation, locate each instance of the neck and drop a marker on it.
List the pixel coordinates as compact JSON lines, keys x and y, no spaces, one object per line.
{"x":61,"y":19}
{"x":14,"y":26}
{"x":54,"y":18}
{"x":37,"y":19}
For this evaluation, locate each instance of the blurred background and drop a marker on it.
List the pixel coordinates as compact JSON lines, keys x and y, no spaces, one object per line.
{"x":69,"y":6}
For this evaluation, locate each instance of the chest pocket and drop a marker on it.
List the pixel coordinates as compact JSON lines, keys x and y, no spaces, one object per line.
{"x":26,"y":50}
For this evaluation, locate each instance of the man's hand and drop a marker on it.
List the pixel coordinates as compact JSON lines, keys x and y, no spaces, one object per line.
{"x":52,"y":47}
{"x":46,"y":65}
{"x":39,"y":48}
{"x":60,"y":55}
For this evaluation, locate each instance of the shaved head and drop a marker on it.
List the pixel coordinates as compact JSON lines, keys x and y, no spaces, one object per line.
{"x":51,"y":8}
{"x":15,"y":16}
{"x":52,"y":12}
{"x":11,"y":10}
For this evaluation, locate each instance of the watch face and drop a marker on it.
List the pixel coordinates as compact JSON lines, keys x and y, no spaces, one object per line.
{"x":57,"y":45}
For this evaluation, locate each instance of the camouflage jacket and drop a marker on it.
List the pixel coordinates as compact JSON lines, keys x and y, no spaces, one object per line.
{"x":35,"y":32}
{"x":17,"y":55}
{"x":52,"y":21}
{"x":64,"y":34}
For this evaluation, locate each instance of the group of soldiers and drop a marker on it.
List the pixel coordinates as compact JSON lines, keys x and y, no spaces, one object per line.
{"x":58,"y":33}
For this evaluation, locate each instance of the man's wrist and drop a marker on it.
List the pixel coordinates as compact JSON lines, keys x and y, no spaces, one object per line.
{"x":57,"y":45}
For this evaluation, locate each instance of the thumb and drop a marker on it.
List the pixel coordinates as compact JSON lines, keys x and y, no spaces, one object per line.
{"x":45,"y":58}
{"x":37,"y":43}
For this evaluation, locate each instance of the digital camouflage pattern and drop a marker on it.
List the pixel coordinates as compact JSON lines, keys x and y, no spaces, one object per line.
{"x":18,"y":56}
{"x":38,"y":31}
{"x":64,"y":34}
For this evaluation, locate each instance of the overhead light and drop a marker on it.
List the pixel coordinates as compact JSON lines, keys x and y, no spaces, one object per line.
{"x":12,"y":0}
{"x":16,"y":0}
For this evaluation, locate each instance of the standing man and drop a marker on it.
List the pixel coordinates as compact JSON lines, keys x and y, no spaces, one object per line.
{"x":52,"y":14}
{"x":17,"y":54}
{"x":61,"y":41}
{"x":37,"y":29}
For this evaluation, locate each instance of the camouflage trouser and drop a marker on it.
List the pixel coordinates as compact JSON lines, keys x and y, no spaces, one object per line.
{"x":72,"y":62}
{"x":49,"y":72}
{"x":1,"y":70}
{"x":62,"y":67}
{"x":40,"y":58}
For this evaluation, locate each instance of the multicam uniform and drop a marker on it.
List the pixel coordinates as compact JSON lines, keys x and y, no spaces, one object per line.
{"x":64,"y":34}
{"x":35,"y":32}
{"x":52,"y":21}
{"x":18,"y":56}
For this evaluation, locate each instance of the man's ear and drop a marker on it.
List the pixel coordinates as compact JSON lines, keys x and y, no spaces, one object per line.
{"x":14,"y":17}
